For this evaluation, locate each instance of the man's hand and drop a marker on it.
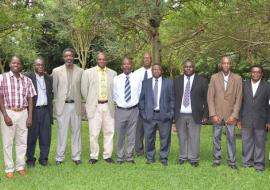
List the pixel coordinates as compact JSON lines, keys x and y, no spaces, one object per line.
{"x":204,"y":120}
{"x":8,"y":120}
{"x":239,"y":125}
{"x":215,"y":119}
{"x":29,"y":122}
{"x":231,"y":120}
{"x":268,"y":127}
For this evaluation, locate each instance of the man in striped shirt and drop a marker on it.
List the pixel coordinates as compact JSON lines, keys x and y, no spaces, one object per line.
{"x":16,"y":92}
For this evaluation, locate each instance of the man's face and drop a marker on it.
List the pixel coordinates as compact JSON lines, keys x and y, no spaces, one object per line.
{"x":147,"y":60}
{"x":189,"y":68}
{"x":15,"y":65}
{"x":39,"y":66}
{"x":68,"y":57}
{"x":256,"y":74}
{"x":225,"y":65}
{"x":101,"y":60}
{"x":156,"y":71}
{"x":126,"y":66}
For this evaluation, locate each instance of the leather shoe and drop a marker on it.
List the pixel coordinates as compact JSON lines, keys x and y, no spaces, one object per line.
{"x":164,"y":163}
{"x":77,"y":162}
{"x":92,"y":161}
{"x":120,"y":162}
{"x":58,"y":163}
{"x":22,"y":172}
{"x":9,"y":175}
{"x":109,"y":160}
{"x":194,"y":164}
{"x":43,"y":163}
{"x":149,"y":162}
{"x":259,"y":169}
{"x":181,"y":162}
{"x":234,"y":167}
{"x":214,"y":165}
{"x":30,"y":164}
{"x":131,"y":161}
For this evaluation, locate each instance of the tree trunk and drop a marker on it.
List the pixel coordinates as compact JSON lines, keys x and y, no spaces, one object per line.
{"x":156,"y":50}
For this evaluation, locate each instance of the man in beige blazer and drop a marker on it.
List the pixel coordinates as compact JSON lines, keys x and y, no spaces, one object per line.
{"x":97,"y":89}
{"x":224,"y":102}
{"x":67,"y":100}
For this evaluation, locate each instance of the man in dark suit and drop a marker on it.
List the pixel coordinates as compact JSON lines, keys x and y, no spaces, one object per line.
{"x":191,"y":110}
{"x":157,"y":110}
{"x":42,"y":115}
{"x":254,"y":117}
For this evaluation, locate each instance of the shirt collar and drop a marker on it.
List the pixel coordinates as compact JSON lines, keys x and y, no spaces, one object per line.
{"x":100,"y":69}
{"x":12,"y":74}
{"x":255,"y":82}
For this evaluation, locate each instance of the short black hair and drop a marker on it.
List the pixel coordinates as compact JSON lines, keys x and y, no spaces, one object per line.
{"x":18,"y":57}
{"x":70,"y":50}
{"x":256,"y":66}
{"x":40,"y":58}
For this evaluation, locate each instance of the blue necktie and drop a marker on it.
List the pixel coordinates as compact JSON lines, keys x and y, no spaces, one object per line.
{"x":145,"y":75}
{"x":127,"y":90}
{"x":187,"y":93}
{"x":155,"y":90}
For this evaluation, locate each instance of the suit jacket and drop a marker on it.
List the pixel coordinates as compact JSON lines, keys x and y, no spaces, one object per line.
{"x":166,"y":101}
{"x":198,"y":96}
{"x":255,"y":110}
{"x":60,"y":88}
{"x":221,"y":102}
{"x":49,"y":86}
{"x":90,"y":90}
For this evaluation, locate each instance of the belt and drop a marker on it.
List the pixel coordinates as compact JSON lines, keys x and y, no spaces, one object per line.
{"x":15,"y":109}
{"x":156,"y":111}
{"x":69,"y":101}
{"x":130,"y":108}
{"x":40,"y":107}
{"x":102,"y":102}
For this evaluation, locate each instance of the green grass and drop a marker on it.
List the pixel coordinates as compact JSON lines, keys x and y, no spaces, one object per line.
{"x":139,"y":176}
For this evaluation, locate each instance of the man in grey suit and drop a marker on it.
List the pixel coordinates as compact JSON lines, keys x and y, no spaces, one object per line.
{"x":224,"y":101}
{"x":126,"y":94}
{"x":67,"y":101}
{"x":254,"y":117}
{"x":191,"y":110}
{"x":97,"y":89}
{"x":157,"y":109}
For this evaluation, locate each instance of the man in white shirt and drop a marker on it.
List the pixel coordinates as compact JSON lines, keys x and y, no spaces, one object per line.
{"x":254,"y":117}
{"x":142,"y":74}
{"x":126,"y":92}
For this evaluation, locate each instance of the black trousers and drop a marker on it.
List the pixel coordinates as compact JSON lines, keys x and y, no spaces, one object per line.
{"x":41,"y":129}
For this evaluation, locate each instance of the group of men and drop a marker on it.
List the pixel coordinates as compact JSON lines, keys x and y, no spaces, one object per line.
{"x":137,"y":104}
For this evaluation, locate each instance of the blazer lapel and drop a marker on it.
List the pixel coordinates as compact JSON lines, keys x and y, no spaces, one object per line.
{"x":249,"y":88}
{"x":221,"y":80}
{"x":230,"y":81}
{"x":34,"y":81}
{"x":162,"y":91}
{"x":195,"y":79}
{"x":258,"y":89}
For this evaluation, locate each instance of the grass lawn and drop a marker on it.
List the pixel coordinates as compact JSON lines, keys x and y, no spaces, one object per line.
{"x":139,"y":176}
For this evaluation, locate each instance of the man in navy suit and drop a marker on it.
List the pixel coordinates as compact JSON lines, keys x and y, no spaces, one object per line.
{"x":254,"y":117}
{"x":157,"y":110}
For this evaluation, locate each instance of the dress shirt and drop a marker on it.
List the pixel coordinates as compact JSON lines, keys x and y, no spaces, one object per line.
{"x":41,"y":91}
{"x":139,"y":73}
{"x":70,"y":91}
{"x":102,"y":79}
{"x":226,"y":79}
{"x":254,"y":86}
{"x":183,"y":108}
{"x":159,"y":90}
{"x":119,"y":90}
{"x":16,"y":90}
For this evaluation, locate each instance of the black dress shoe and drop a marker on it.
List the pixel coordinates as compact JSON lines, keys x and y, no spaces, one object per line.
{"x":181,"y":162}
{"x":214,"y":165}
{"x":194,"y":164}
{"x":259,"y":169}
{"x":109,"y":160}
{"x":149,"y":162}
{"x":77,"y":162}
{"x":164,"y":163}
{"x":120,"y":162}
{"x":92,"y":161}
{"x":139,"y":153}
{"x":234,"y":167}
{"x":30,"y":164}
{"x":43,"y":163}
{"x":58,"y":162}
{"x":131,"y":161}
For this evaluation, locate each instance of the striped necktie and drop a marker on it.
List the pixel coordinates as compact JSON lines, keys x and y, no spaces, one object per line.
{"x":127,"y":90}
{"x":187,"y":93}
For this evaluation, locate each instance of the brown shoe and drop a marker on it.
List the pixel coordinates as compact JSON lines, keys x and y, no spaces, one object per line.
{"x":9,"y":175}
{"x":22,"y":172}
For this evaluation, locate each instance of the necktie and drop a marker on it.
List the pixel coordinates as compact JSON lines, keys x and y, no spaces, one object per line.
{"x":145,"y":75}
{"x":155,"y":93}
{"x":187,"y":93}
{"x":127,"y":90}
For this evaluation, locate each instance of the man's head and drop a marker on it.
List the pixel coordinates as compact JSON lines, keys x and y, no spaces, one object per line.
{"x":16,"y":64}
{"x":126,"y":65}
{"x":101,"y":60}
{"x":256,"y":72}
{"x":68,"y":56}
{"x":156,"y":70}
{"x":225,"y":64}
{"x":147,"y":60}
{"x":39,"y":65}
{"x":189,"y":67}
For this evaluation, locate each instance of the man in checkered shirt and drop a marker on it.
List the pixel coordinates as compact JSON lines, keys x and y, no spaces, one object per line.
{"x":16,"y":92}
